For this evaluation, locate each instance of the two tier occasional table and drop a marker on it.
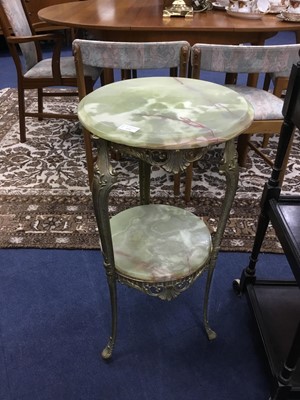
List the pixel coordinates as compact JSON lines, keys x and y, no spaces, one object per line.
{"x":168,"y":122}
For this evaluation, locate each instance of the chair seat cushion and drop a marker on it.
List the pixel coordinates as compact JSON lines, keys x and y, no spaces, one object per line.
{"x":159,"y":243}
{"x":43,"y":69}
{"x":265,"y":104}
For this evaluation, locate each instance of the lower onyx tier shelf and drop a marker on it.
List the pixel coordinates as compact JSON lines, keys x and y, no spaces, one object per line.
{"x":276,"y":307}
{"x":158,"y":242}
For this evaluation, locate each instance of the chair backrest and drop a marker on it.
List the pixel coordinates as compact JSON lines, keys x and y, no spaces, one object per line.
{"x":14,"y":20}
{"x":131,"y":56}
{"x":243,"y":58}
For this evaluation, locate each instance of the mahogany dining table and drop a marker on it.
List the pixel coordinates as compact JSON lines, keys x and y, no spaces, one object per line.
{"x":137,"y":20}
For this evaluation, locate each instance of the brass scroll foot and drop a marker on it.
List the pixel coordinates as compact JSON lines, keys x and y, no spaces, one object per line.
{"x":107,"y":351}
{"x":210,"y":333}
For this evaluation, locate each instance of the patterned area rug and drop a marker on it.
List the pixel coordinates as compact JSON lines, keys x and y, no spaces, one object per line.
{"x":45,"y":201}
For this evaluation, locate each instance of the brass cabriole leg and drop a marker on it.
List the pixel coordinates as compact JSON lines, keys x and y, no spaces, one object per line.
{"x":229,"y":167}
{"x":103,"y":182}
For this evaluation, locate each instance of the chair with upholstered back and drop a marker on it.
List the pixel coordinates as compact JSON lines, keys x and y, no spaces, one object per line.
{"x":127,"y":58}
{"x":246,"y":59}
{"x":33,"y":71}
{"x":279,"y":80}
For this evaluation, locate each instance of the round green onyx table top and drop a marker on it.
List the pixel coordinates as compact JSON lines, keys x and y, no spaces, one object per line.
{"x":165,"y":113}
{"x":159,"y":243}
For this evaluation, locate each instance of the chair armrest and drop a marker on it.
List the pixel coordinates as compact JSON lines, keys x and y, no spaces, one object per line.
{"x":56,"y":37}
{"x":42,"y":26}
{"x":34,"y":38}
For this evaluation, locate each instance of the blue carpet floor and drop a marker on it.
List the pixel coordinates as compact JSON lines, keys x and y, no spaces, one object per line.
{"x":54,"y":321}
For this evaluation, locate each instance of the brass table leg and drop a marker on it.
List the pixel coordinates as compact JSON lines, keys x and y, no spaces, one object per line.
{"x":103,"y":182}
{"x":230,"y":168}
{"x":104,"y":179}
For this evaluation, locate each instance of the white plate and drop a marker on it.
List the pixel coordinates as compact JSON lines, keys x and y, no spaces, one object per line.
{"x":263,"y":5}
{"x":287,"y":18}
{"x":277,"y":10}
{"x":218,"y":6}
{"x":245,"y":15}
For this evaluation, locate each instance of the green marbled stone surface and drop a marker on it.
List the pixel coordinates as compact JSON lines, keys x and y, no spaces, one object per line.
{"x":165,"y":113}
{"x":158,"y":243}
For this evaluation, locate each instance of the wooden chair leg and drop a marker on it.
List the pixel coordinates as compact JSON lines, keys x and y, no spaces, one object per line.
{"x":265,"y":140}
{"x":279,"y":86}
{"x":267,"y":82}
{"x":107,"y":76}
{"x":177,"y":184}
{"x":242,"y":149}
{"x":89,"y":156}
{"x":40,"y":103}
{"x":188,"y":183}
{"x":21,"y":101}
{"x":125,"y":74}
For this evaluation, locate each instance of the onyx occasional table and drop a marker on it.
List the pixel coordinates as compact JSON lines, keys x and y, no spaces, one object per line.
{"x":167,"y":122}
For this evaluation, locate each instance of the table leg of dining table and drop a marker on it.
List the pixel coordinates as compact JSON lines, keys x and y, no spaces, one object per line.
{"x":230,"y":169}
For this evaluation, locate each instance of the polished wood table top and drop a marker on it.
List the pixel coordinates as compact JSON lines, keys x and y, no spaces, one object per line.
{"x":134,"y":20}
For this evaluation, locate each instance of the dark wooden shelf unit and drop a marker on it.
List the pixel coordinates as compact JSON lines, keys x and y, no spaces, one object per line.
{"x":276,"y":304}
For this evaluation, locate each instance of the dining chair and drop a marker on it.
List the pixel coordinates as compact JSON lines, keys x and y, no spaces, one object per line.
{"x":34,"y":71}
{"x":248,"y":60}
{"x":279,"y":81}
{"x":126,"y":58}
